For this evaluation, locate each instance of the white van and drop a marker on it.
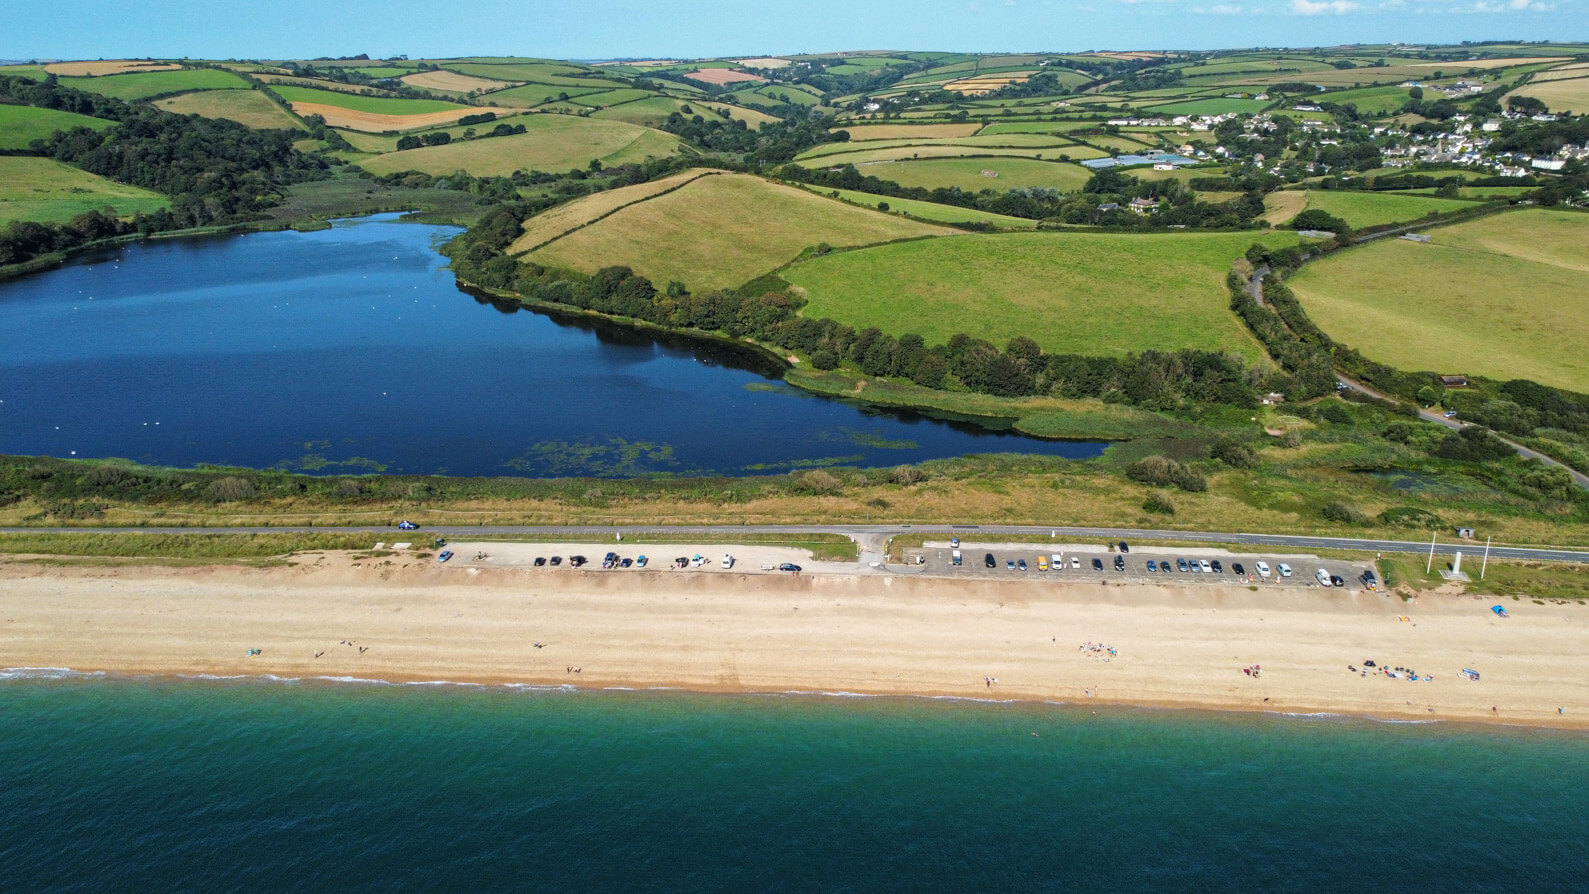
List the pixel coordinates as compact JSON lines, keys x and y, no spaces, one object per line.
{"x":1263,"y":569}
{"x":956,"y":557}
{"x":1323,"y":576}
{"x":728,"y":561}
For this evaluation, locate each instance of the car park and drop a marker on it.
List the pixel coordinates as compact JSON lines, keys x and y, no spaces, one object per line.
{"x":989,"y":561}
{"x":1021,"y":564}
{"x":1153,"y":566}
{"x":1284,"y":569}
{"x":1120,"y":563}
{"x":1263,"y":569}
{"x":1218,"y":568}
{"x":1236,"y":567}
{"x":955,"y":557}
{"x":1180,"y":565}
{"x":539,"y":561}
{"x":1097,"y":564}
{"x":1204,"y":567}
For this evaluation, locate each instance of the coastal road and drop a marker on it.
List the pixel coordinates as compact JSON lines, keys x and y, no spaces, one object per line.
{"x":872,"y":537}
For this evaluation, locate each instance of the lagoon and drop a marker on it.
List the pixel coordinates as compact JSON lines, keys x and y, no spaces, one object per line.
{"x":352,"y":350}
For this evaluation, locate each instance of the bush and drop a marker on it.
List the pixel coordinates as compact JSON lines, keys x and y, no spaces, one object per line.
{"x":1235,"y":454}
{"x":817,"y":481}
{"x":1159,"y":502}
{"x":907,"y":475}
{"x":1164,"y":472}
{"x":824,"y":359}
{"x":1410,"y":517}
{"x":1344,"y":513}
{"x":230,"y":490}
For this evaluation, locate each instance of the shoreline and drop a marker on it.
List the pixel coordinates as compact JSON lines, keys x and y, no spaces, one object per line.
{"x":1179,"y":648}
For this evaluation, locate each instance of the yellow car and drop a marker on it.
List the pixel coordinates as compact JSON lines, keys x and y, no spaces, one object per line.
{"x":1042,"y":563}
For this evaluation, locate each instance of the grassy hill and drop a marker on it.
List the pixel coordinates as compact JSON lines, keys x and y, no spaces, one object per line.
{"x":1082,"y":293}
{"x":1368,"y":209}
{"x":1488,"y":297}
{"x":155,"y":83}
{"x":21,"y":125}
{"x":551,"y":143}
{"x":719,"y":231}
{"x":42,"y":189}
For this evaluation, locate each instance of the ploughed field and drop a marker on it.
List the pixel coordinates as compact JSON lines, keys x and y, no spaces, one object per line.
{"x":1500,"y":296}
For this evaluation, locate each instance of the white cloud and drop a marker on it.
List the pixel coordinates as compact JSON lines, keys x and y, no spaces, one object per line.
{"x":1219,"y":9}
{"x":1512,"y":6}
{"x":1320,"y":7}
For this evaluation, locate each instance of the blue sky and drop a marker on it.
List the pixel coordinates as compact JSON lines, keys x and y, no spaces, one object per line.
{"x":588,"y":29}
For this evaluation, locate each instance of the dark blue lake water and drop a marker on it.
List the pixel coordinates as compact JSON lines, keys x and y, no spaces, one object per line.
{"x":353,"y":350}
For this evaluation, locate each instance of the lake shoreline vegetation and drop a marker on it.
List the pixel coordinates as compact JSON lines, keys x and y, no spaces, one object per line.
{"x":1188,"y":423}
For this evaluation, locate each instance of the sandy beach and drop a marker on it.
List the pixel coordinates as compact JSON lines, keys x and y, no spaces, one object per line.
{"x":397,"y":619}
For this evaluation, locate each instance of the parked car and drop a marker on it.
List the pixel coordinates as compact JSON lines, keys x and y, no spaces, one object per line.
{"x":1337,"y":581}
{"x":954,"y":556}
{"x":1124,"y":547}
{"x":445,"y":555}
{"x":1180,"y":565}
{"x":1009,"y":564}
{"x":556,"y":560}
{"x":1323,"y":577}
{"x":681,"y":562}
{"x":1021,"y":564}
{"x":1153,"y":566}
{"x":1164,"y":567}
{"x":989,"y":561}
{"x":406,"y":525}
{"x":625,"y":562}
{"x":788,"y":566}
{"x":1263,"y":569}
{"x":1285,"y":570}
{"x":1042,"y":563}
{"x":1204,"y":567}
{"x":1097,"y":564}
{"x":728,"y":561}
{"x":640,"y":561}
{"x":1236,"y":567}
{"x":609,"y":560}
{"x":954,"y":542}
{"x":1120,"y":563}
{"x":577,"y":561}
{"x":1218,"y":568}
{"x":697,"y":560}
{"x":1369,"y":580}
{"x":539,"y":561}
{"x":1075,"y":561}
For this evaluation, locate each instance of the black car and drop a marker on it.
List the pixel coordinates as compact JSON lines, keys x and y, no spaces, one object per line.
{"x":539,"y":561}
{"x":1180,"y":565}
{"x":1218,"y":568}
{"x":557,"y":560}
{"x":1236,"y":567}
{"x":682,"y":562}
{"x":1097,"y":564}
{"x":989,"y":561}
{"x":1120,"y":563}
{"x":625,"y":563}
{"x":1124,"y":548}
{"x":609,"y":560}
{"x":788,"y":566}
{"x":577,"y":561}
{"x":1337,"y":581}
{"x":1164,"y":567}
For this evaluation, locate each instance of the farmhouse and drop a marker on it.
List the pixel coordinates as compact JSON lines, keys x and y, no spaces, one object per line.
{"x":1144,"y":206}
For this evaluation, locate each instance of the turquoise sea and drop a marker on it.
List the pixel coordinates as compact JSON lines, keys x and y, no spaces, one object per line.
{"x":174,"y":784}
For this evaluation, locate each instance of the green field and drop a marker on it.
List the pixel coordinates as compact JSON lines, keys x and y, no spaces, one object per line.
{"x":250,"y":107}
{"x":21,"y":125}
{"x":551,"y":143}
{"x":377,"y":105}
{"x":42,"y":189}
{"x":949,"y":214}
{"x":1370,"y":100}
{"x":143,"y":85}
{"x":654,"y":110}
{"x":967,"y":173}
{"x":869,"y":153}
{"x":554,"y":74}
{"x":1501,"y":296}
{"x":1476,"y":192}
{"x":721,"y":231}
{"x":1083,"y":293}
{"x":1369,"y":209}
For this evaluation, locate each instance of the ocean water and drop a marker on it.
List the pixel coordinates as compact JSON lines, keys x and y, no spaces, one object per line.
{"x":171,"y":784}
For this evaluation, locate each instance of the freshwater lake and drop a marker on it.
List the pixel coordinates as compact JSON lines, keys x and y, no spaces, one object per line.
{"x":351,"y":350}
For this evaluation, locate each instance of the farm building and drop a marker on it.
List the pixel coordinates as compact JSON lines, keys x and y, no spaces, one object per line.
{"x":1453,"y":381}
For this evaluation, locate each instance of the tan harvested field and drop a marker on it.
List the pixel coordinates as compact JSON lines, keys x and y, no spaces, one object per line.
{"x":975,"y":86}
{"x":250,"y":107}
{"x":551,"y":143}
{"x":722,"y":231}
{"x":555,"y":222}
{"x":1453,"y":67}
{"x":336,"y":116}
{"x":1283,"y":205}
{"x":1561,"y":96}
{"x":862,"y":132}
{"x":765,"y":62}
{"x":451,"y":80}
{"x":107,"y":67}
{"x":318,"y":84}
{"x":723,"y":76}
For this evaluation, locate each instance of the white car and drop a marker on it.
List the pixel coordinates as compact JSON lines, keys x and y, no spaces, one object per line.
{"x":1263,"y":569}
{"x":728,"y":561}
{"x":1323,"y":577}
{"x":1207,"y":568}
{"x":1285,"y":570}
{"x":1075,"y":562}
{"x":697,"y":560}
